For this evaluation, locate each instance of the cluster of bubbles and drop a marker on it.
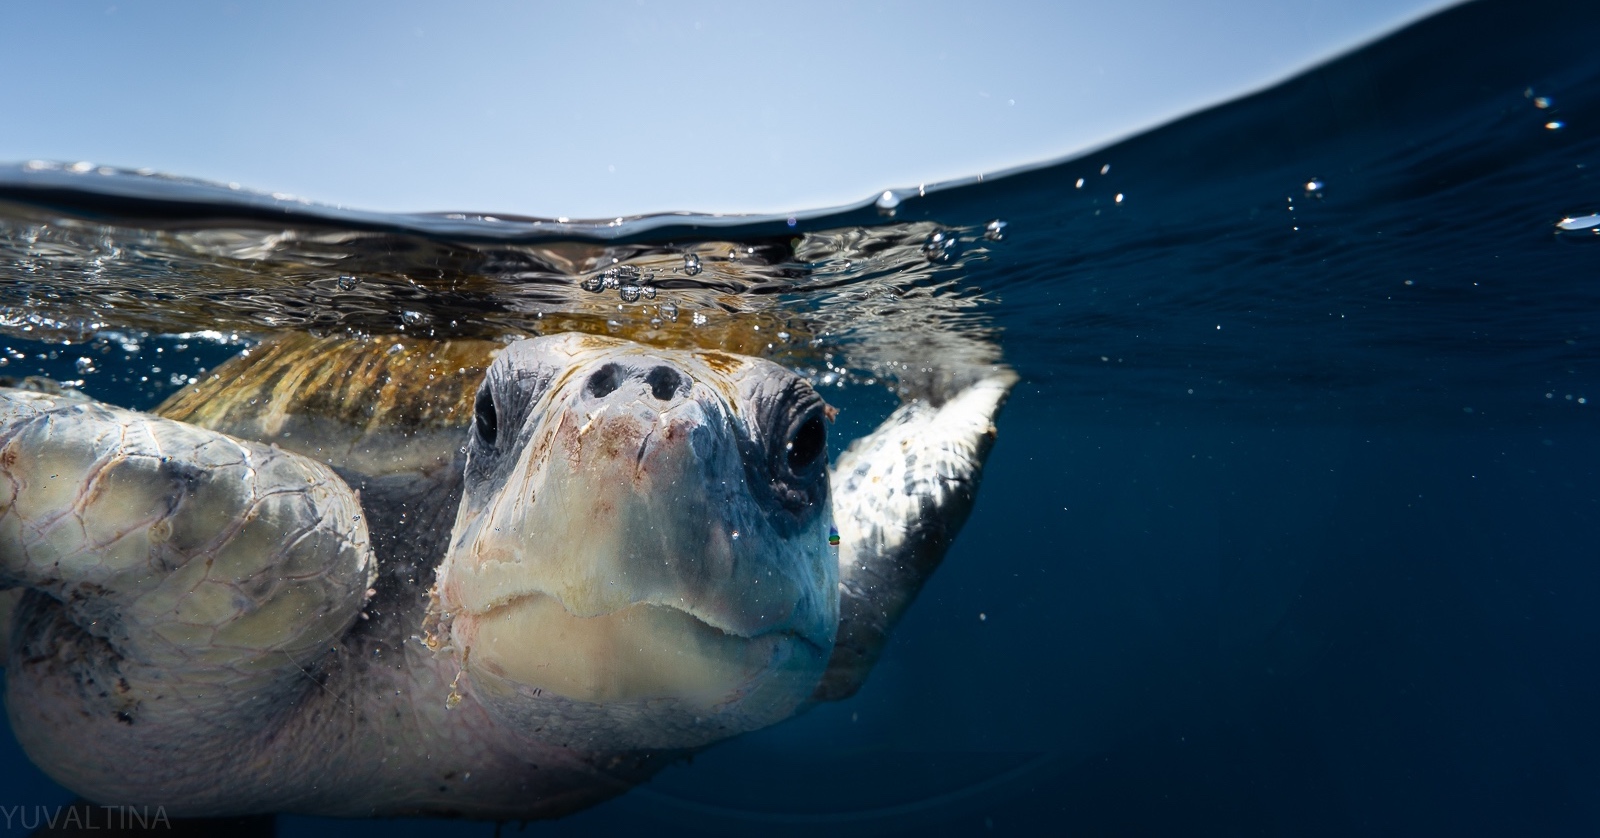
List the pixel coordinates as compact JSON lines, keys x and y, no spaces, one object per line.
{"x":628,"y":281}
{"x":943,"y":246}
{"x":835,"y":373}
{"x":940,"y":246}
{"x":633,"y":284}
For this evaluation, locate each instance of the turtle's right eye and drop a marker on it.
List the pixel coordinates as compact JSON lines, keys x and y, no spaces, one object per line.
{"x":484,"y":417}
{"x":808,"y":443}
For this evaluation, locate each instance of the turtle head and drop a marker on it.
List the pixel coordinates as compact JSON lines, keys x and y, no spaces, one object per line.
{"x":641,"y":554}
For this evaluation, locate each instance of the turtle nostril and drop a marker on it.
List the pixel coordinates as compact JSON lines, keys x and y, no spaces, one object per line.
{"x":664,"y":382}
{"x":604,"y":381}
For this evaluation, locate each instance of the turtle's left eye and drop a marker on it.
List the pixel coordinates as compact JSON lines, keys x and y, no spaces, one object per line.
{"x":484,"y":417}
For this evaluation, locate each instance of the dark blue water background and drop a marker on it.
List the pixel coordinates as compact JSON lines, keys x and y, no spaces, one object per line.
{"x":1293,"y":526}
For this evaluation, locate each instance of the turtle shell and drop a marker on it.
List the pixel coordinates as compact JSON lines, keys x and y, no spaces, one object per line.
{"x":377,"y":406}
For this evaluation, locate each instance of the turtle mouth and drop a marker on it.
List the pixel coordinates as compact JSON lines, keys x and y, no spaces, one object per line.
{"x":641,"y":651}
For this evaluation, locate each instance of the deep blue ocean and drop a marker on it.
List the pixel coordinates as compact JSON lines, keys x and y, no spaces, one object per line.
{"x":1293,"y":524}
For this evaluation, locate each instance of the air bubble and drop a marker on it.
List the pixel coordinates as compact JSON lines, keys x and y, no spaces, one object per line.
{"x":592,"y":283}
{"x":1579,"y":225}
{"x":649,"y":292}
{"x":1314,"y":187}
{"x":349,"y":283}
{"x":940,"y":246}
{"x":995,"y":230}
{"x":630,"y":293}
{"x":698,"y":319}
{"x":887,"y":202}
{"x":691,"y":264}
{"x":411,"y":318}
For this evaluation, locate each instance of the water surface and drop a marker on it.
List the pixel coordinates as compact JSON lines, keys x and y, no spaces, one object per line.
{"x":1292,"y":525}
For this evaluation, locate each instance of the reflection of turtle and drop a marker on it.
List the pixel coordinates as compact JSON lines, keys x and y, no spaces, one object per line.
{"x":347,"y":578}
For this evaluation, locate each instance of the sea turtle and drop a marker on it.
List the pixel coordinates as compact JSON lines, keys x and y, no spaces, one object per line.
{"x":484,"y":579}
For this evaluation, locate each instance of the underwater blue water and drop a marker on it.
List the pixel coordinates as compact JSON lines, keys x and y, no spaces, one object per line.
{"x":1293,"y":524}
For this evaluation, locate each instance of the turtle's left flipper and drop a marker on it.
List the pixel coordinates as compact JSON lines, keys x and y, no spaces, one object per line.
{"x":175,"y":542}
{"x":180,"y":584}
{"x":900,"y":495}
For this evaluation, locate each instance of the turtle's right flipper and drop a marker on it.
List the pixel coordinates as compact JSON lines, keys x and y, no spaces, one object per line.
{"x":179,"y":549}
{"x":900,"y":496}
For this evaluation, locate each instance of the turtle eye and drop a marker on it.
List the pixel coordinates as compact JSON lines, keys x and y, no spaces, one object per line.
{"x":808,"y":443}
{"x":484,"y":417}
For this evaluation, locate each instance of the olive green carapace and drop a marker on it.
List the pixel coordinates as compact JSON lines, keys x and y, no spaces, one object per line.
{"x":377,"y":406}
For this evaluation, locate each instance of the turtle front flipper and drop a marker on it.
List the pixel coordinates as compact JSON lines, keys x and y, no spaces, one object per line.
{"x":180,"y":583}
{"x":900,"y":495}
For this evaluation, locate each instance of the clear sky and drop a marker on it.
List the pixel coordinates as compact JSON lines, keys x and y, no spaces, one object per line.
{"x":595,"y":109}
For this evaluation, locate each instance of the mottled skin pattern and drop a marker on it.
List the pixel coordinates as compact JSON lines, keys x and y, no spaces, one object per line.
{"x":237,"y":613}
{"x":909,"y":487}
